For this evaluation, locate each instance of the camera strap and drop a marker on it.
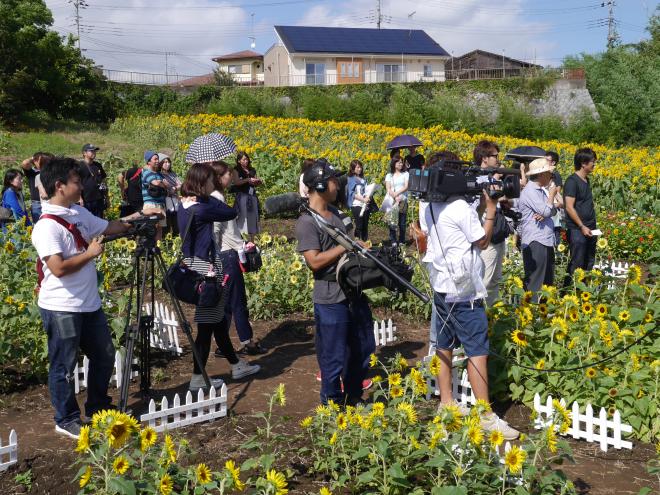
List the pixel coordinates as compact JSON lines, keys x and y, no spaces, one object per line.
{"x":81,"y":243}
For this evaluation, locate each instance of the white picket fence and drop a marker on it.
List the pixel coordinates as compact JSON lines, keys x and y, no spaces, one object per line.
{"x":81,"y":372}
{"x":614,"y":270}
{"x":596,"y":427}
{"x":178,"y":415}
{"x":384,"y":332}
{"x":9,"y":453}
{"x":460,"y":384}
{"x":165,"y":334}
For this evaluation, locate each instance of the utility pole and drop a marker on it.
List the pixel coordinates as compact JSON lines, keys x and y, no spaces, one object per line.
{"x":167,"y":77}
{"x":379,"y":14}
{"x":612,"y":35}
{"x":78,"y":5}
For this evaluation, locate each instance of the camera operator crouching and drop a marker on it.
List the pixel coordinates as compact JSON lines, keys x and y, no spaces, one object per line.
{"x":456,"y":239}
{"x":344,"y":330}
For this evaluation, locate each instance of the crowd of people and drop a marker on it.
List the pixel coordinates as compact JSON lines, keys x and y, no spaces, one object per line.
{"x":464,"y":239}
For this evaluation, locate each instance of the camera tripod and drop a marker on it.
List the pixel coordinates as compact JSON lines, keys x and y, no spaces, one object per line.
{"x":145,"y":258}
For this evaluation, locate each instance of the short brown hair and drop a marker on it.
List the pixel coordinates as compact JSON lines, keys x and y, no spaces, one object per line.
{"x":196,"y":178}
{"x":438,"y":156}
{"x":354,"y":164}
{"x":482,"y":149}
{"x":220,"y":168}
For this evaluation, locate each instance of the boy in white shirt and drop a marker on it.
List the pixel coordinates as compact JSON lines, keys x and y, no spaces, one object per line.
{"x":69,"y":299}
{"x":456,"y":239}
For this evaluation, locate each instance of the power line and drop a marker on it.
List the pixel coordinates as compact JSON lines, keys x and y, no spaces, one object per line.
{"x":205,"y":7}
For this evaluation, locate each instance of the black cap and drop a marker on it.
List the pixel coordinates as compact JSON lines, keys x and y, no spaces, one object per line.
{"x":90,"y":147}
{"x":319,"y":172}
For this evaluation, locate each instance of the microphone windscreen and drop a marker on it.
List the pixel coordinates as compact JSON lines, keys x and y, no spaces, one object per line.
{"x":282,"y":203}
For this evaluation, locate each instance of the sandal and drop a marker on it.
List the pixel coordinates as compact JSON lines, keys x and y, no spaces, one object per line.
{"x":253,"y":349}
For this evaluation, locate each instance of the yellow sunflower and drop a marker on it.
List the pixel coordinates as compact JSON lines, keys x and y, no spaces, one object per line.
{"x":434,"y":365}
{"x":408,"y":411}
{"x":86,"y":476}
{"x":514,"y":459}
{"x":573,"y":315}
{"x":519,"y":338}
{"x":325,"y":491}
{"x":561,"y":248}
{"x":148,"y":438}
{"x":293,"y":279}
{"x":590,"y":373}
{"x":306,"y":422}
{"x":342,"y":422}
{"x":602,"y":243}
{"x":474,"y":432}
{"x":373,"y":361}
{"x":396,"y":391}
{"x":495,"y":438}
{"x":634,"y":274}
{"x":235,"y":472}
{"x":296,"y":266}
{"x":280,"y":396}
{"x":83,"y":440}
{"x":120,"y":429}
{"x":203,"y":474}
{"x":278,"y":482}
{"x":394,"y":379}
{"x":585,"y":296}
{"x":551,"y":438}
{"x":120,"y":465}
{"x":601,"y":310}
{"x":587,"y":308}
{"x":624,"y":315}
{"x":540,"y":364}
{"x":165,"y":484}
{"x":333,"y":439}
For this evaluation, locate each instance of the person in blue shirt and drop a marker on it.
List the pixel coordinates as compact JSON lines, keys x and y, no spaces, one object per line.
{"x":12,"y":195}
{"x":154,"y":187}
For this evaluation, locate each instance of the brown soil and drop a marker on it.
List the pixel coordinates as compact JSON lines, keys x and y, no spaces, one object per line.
{"x":291,"y":361}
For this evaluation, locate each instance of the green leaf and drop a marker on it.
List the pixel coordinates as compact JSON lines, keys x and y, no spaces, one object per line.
{"x":449,"y":490}
{"x":123,"y":486}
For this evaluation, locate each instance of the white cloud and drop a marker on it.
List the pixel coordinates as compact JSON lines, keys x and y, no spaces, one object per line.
{"x":459,"y":26}
{"x":117,"y":37}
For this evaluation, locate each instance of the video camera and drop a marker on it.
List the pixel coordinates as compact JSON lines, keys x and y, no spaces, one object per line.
{"x":459,"y":178}
{"x":144,"y":226}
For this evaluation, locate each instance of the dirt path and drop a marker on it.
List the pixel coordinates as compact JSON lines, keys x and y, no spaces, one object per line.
{"x":291,"y":361}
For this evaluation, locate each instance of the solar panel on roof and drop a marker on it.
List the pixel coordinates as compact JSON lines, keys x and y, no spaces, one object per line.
{"x":359,"y":40}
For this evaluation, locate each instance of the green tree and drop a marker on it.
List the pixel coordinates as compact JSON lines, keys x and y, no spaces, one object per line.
{"x":40,"y":71}
{"x":624,"y":82}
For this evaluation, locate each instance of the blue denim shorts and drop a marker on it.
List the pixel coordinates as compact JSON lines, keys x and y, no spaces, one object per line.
{"x":467,"y":326}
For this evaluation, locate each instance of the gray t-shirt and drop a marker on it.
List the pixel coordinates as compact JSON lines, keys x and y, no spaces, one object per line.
{"x":311,"y":237}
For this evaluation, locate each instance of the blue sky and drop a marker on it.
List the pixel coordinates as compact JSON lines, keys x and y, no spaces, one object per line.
{"x":135,"y":35}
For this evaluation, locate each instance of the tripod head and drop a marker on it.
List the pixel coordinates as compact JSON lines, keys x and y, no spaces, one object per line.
{"x":143,"y":230}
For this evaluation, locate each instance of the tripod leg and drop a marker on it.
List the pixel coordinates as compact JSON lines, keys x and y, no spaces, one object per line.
{"x":182,"y":319}
{"x":133,"y":329}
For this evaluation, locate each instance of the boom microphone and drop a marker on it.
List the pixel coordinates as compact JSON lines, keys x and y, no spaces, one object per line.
{"x":282,"y":203}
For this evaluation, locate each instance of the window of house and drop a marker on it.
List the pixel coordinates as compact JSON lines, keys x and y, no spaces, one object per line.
{"x":315,"y":73}
{"x":428,"y":71}
{"x":235,"y":69}
{"x":391,"y":73}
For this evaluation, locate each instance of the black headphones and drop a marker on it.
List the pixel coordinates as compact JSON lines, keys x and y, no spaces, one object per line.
{"x":325,"y":173}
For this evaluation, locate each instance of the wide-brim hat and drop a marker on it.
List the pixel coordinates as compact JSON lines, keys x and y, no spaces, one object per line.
{"x":162,"y":157}
{"x":210,"y":148}
{"x":539,"y":166}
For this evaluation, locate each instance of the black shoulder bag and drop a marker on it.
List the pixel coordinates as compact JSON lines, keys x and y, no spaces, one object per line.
{"x":189,"y":286}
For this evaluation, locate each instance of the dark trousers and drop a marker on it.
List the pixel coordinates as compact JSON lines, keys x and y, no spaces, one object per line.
{"x":96,"y":207}
{"x":539,"y":263}
{"x":361,"y":222}
{"x":235,"y":297}
{"x":344,"y":342}
{"x":583,"y":253}
{"x":205,"y":332}
{"x":35,"y":208}
{"x":172,"y":224}
{"x":401,"y":228}
{"x":67,"y":332}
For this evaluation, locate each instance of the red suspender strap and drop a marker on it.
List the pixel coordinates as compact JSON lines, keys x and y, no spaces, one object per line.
{"x":81,"y":243}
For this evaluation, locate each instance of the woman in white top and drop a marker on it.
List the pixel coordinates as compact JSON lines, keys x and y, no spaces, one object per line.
{"x":396,"y":183}
{"x":356,"y":199}
{"x":229,"y":241}
{"x":303,"y":190}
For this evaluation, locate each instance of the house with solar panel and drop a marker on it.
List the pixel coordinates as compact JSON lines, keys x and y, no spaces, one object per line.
{"x":305,"y":55}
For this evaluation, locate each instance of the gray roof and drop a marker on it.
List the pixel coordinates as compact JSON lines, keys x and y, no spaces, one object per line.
{"x":309,"y":39}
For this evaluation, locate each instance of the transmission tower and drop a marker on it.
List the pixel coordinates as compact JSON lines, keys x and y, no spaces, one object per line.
{"x":78,"y":5}
{"x":612,"y":35}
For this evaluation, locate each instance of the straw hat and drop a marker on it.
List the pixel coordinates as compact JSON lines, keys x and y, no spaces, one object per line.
{"x":539,"y":166}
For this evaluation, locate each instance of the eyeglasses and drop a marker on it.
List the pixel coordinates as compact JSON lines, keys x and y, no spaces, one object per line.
{"x":494,"y":156}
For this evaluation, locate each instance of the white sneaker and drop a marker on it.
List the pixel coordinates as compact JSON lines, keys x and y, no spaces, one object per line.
{"x":491,"y":421}
{"x":243,"y":368}
{"x":197,"y":382}
{"x":464,"y":409}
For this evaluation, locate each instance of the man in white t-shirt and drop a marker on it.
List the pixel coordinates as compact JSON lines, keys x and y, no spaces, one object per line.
{"x":456,"y":238}
{"x":69,"y":299}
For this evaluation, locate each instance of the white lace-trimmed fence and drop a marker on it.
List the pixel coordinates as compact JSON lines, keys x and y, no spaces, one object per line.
{"x":384,"y":332}
{"x":80,"y":373}
{"x":460,"y":384}
{"x":596,"y":427}
{"x":164,"y":334}
{"x":178,"y":415}
{"x":615,"y":270}
{"x":9,"y":453}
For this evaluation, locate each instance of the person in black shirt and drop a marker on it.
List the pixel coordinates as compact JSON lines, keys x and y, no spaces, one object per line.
{"x":92,"y":179}
{"x":130,"y":185}
{"x":413,"y":159}
{"x":31,"y":169}
{"x":580,"y":214}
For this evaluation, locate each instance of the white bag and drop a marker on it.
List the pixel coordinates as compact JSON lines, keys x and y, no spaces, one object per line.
{"x":387,"y":204}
